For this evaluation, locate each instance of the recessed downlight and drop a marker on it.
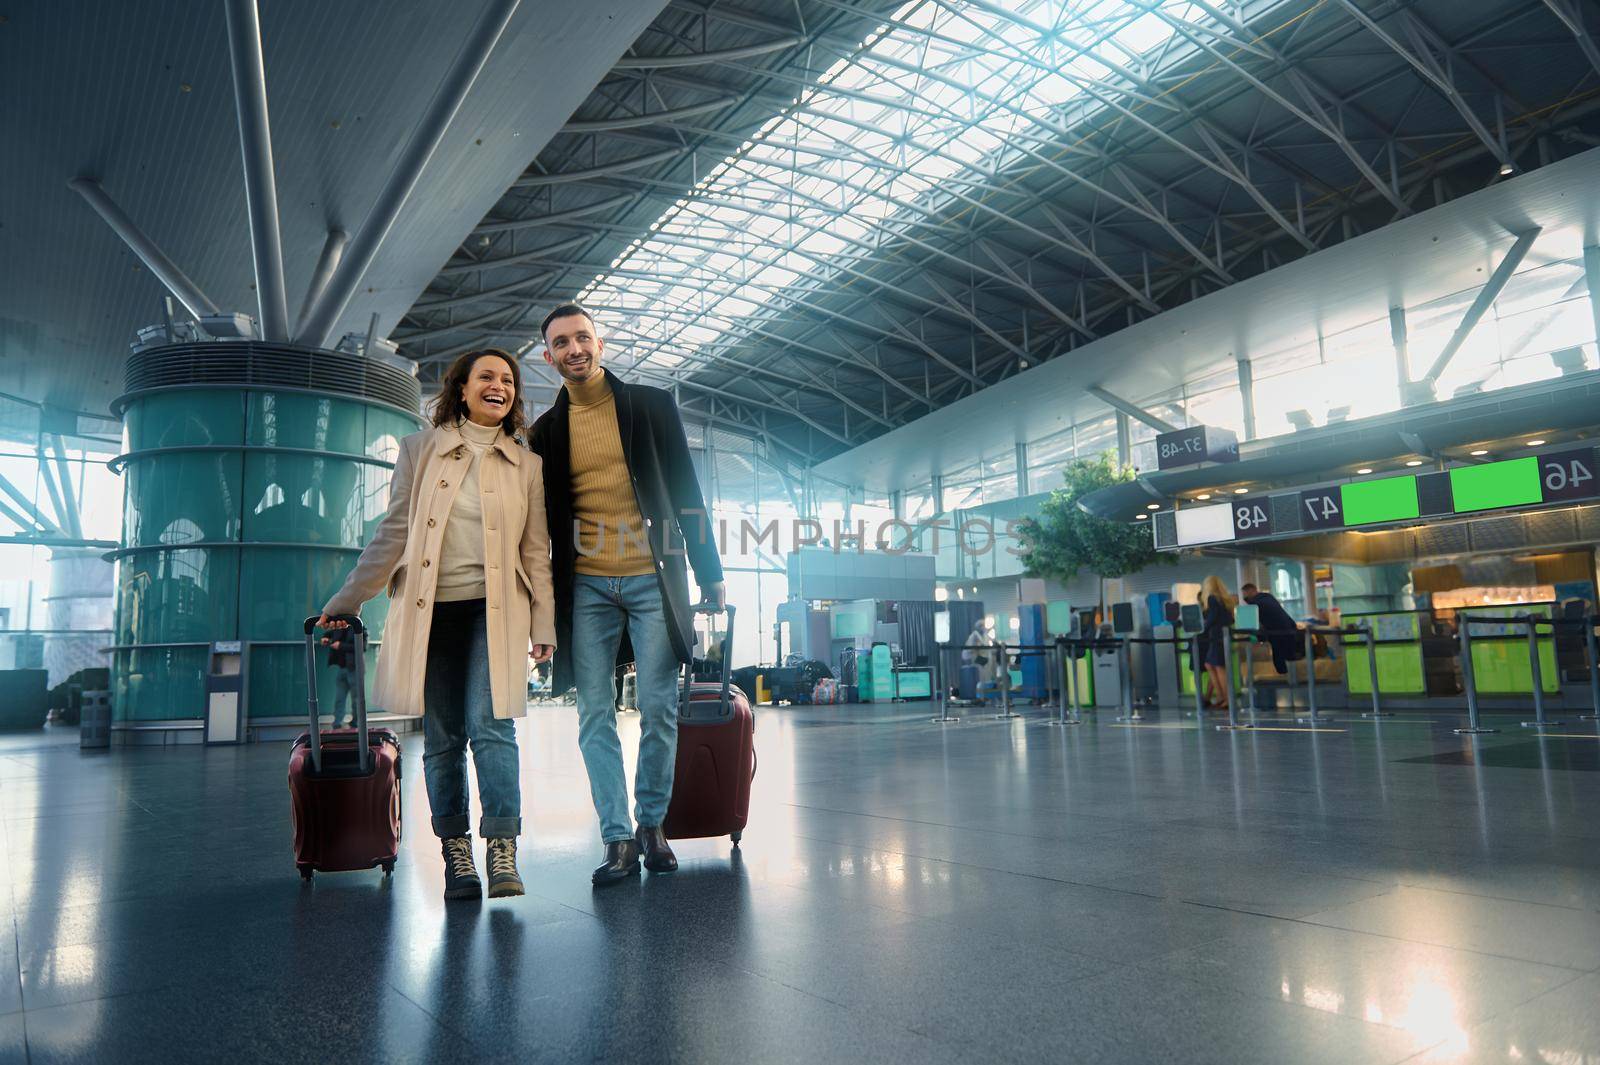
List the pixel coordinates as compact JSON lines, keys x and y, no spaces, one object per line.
{"x":1240,"y":491}
{"x":1152,"y":506}
{"x":1535,"y":443}
{"x":1365,"y":469}
{"x":1478,"y":454}
{"x":1143,"y":517}
{"x":1203,"y":496}
{"x":1413,"y":462}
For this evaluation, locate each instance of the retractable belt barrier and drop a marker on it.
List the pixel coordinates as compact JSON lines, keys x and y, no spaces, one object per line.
{"x":1532,"y":624}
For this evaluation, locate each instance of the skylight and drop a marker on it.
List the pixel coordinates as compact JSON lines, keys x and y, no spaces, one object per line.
{"x":937,"y":98}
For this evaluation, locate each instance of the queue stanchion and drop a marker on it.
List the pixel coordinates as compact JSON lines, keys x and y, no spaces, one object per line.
{"x":1592,"y":656}
{"x":1226,"y":635}
{"x":1248,"y":668}
{"x":1469,"y":682}
{"x":1062,"y":663}
{"x":1536,"y":672}
{"x":1197,"y":666}
{"x":1130,"y":712}
{"x":1312,"y":716}
{"x":1377,"y":712}
{"x":944,"y":717}
{"x":1006,"y":712}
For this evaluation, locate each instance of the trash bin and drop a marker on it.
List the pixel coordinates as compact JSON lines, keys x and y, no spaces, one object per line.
{"x":94,"y":726}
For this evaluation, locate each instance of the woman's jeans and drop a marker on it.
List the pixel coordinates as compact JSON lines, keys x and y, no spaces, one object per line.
{"x":602,"y":608}
{"x":460,"y":710}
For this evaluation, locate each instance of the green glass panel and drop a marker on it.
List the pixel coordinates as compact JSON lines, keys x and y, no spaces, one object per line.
{"x":1386,"y":499}
{"x":277,"y":682}
{"x":280,"y":587}
{"x":303,"y":499}
{"x":384,"y":431}
{"x":177,"y":596}
{"x":185,"y":417}
{"x":287,"y":419}
{"x":1512,"y":483}
{"x":183,"y":498}
{"x":374,"y":501}
{"x":1400,"y":669}
{"x":159,"y":684}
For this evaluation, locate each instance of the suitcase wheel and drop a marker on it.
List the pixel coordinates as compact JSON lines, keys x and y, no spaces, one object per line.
{"x":737,"y":836}
{"x":306,"y":872}
{"x":388,"y":868}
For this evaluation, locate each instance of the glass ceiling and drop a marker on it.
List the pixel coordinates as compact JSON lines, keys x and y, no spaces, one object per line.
{"x":941,"y":95}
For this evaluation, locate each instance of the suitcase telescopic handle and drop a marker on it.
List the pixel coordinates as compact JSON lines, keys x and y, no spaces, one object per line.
{"x":358,"y":633}
{"x":708,"y":607}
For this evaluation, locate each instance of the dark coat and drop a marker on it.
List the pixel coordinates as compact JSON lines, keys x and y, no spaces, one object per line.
{"x":670,"y":502}
{"x":1278,"y":629}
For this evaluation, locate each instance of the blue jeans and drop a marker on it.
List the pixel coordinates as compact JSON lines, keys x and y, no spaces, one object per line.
{"x":459,"y":709}
{"x":342,"y":683}
{"x":602,"y":607}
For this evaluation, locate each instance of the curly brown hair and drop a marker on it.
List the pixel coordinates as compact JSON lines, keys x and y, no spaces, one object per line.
{"x":448,"y":407}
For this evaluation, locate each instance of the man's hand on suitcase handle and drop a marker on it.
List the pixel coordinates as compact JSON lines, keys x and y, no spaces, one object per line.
{"x":714,"y":594}
{"x":541,"y":652}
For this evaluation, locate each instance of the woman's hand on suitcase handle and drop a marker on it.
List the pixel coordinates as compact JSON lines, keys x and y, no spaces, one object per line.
{"x":541,"y":652}
{"x":326,"y":623}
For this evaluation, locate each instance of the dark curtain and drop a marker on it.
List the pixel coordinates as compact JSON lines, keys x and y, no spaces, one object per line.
{"x":964,"y":613}
{"x":916,"y":630}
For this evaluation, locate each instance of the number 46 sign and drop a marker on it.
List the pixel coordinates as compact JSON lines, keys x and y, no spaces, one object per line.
{"x":1568,"y":475}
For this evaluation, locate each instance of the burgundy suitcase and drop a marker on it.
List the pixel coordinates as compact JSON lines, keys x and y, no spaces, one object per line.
{"x":344,"y":784}
{"x":716,"y":755}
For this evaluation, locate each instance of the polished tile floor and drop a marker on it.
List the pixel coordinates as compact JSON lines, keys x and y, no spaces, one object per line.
{"x":907,"y":892}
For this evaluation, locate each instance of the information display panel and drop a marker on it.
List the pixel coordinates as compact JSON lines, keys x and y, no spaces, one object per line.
{"x":1205,"y":525}
{"x":1386,"y":499}
{"x":1568,"y":475}
{"x":1513,"y":483}
{"x":1252,"y":517}
{"x":1320,"y":508}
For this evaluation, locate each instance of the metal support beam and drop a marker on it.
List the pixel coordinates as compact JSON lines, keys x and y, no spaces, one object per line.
{"x":1122,"y":406}
{"x":936,"y":490}
{"x":1571,"y":16}
{"x":1247,"y":394}
{"x":1124,"y":440}
{"x":1591,"y":274}
{"x":327,"y":263}
{"x":425,"y":139}
{"x":698,"y":59}
{"x":64,"y":472}
{"x":1402,"y":358}
{"x":1486,"y":296}
{"x":154,"y":259}
{"x":260,"y":185}
{"x":1022,"y":469}
{"x":27,"y":507}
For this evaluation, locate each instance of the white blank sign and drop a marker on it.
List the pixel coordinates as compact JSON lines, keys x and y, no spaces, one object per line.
{"x":1205,"y":525}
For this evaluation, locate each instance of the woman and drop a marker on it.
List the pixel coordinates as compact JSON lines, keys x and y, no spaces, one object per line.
{"x":1217,"y":607}
{"x":465,"y":555}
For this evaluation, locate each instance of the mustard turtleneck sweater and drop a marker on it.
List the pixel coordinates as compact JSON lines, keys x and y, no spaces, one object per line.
{"x":461,"y":554}
{"x":611,"y":534}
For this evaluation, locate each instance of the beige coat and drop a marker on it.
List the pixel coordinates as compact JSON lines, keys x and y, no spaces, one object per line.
{"x":404,"y":557}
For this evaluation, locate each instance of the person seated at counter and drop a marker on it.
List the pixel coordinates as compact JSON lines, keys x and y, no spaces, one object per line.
{"x":1278,"y":629}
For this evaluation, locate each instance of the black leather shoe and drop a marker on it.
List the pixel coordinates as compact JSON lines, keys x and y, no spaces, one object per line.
{"x":658,"y":856}
{"x":622,"y":861}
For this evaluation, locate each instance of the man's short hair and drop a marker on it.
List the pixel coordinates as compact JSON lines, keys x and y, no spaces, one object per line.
{"x":565,"y":310}
{"x":1247,"y":588}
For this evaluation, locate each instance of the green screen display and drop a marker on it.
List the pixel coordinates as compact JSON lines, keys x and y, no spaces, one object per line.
{"x":1387,"y":499}
{"x":1513,"y":483}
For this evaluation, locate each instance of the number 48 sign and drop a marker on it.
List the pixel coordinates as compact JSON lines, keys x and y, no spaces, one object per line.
{"x":1568,"y":475}
{"x":1252,"y":518}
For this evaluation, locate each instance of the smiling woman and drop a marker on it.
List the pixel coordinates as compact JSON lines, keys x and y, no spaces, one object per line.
{"x":484,"y":387}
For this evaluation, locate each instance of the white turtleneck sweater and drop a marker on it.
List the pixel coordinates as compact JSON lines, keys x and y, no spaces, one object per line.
{"x":461,"y":555}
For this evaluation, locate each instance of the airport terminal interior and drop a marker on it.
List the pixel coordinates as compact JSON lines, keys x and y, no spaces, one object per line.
{"x":1150,"y":447}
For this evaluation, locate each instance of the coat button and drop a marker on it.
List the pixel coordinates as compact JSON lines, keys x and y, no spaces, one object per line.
{"x":419,"y":603}
{"x":431,"y":523}
{"x":426,"y":563}
{"x":444,"y":484}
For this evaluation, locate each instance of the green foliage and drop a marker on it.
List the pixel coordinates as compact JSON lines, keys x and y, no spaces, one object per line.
{"x":1064,"y":539}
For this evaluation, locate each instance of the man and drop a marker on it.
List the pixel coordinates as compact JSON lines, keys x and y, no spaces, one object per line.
{"x":1277,"y":627}
{"x":624,"y":508}
{"x":342,"y":658}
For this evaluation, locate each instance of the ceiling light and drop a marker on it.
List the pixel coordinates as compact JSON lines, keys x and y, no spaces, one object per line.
{"x":1365,"y":469}
{"x":1143,"y":517}
{"x":1203,"y":496}
{"x":1413,"y":462}
{"x":1240,"y":491}
{"x":1152,"y":506}
{"x":1478,"y":454}
{"x":1506,"y":170}
{"x":1535,"y":443}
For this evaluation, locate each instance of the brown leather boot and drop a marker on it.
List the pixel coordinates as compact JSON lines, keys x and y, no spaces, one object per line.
{"x":658,"y":856}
